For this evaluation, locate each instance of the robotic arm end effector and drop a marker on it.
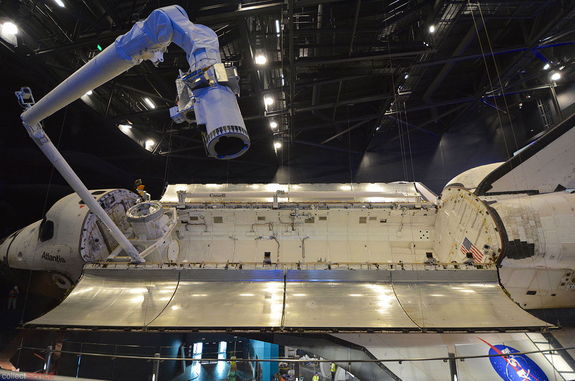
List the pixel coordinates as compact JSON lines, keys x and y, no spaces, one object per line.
{"x":211,"y":96}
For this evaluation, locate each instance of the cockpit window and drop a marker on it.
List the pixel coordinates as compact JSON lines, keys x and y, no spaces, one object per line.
{"x":46,"y":230}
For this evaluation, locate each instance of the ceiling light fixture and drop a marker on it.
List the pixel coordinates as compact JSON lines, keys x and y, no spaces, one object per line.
{"x":60,"y":3}
{"x":89,"y":92}
{"x":277,"y":145}
{"x":9,"y":28}
{"x":406,"y":76}
{"x":278,"y":28}
{"x":546,"y":66}
{"x":268,"y":101}
{"x":261,"y":60}
{"x":273,"y":124}
{"x":556,"y":76}
{"x":150,"y":103}
{"x":125,"y":128}
{"x":432,"y":28}
{"x":150,"y":144}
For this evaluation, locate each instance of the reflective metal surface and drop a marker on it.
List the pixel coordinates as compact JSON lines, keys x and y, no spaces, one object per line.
{"x":224,"y":304}
{"x":114,"y":299}
{"x":175,"y":297}
{"x":343,"y":305}
{"x":461,"y":305}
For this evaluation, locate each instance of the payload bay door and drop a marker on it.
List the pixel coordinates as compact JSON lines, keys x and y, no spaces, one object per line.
{"x":303,"y":300}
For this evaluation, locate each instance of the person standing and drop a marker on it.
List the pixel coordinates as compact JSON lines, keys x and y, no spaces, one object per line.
{"x":13,"y":298}
{"x":233,"y":372}
{"x":315,"y":377}
{"x":333,"y":370}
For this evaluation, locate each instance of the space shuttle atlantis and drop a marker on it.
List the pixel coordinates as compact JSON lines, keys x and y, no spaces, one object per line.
{"x":499,"y":240}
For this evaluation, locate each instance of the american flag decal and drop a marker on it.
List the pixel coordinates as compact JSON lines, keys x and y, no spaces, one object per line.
{"x":468,"y":247}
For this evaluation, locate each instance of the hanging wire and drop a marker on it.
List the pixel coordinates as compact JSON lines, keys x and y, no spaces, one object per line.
{"x":487,"y":71}
{"x":399,"y":123}
{"x":44,"y":209}
{"x":395,"y":106}
{"x":498,"y":75}
{"x":412,"y":227}
{"x":409,"y":143}
{"x":166,"y":164}
{"x":45,"y":206}
{"x":349,"y":150}
{"x":401,"y":139}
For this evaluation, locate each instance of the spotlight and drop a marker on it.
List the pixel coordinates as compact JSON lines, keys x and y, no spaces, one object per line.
{"x":150,"y":144}
{"x":277,"y":145}
{"x":149,"y":102}
{"x":268,"y":101}
{"x":273,"y":124}
{"x":9,"y":28}
{"x":406,"y":76}
{"x":89,"y":92}
{"x":125,"y":128}
{"x":60,"y":3}
{"x":555,"y":76}
{"x":261,"y":60}
{"x":546,"y":66}
{"x":432,"y":29}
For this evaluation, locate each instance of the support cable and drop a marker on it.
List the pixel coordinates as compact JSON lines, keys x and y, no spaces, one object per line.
{"x":479,"y":39}
{"x":409,"y":143}
{"x":498,"y":74}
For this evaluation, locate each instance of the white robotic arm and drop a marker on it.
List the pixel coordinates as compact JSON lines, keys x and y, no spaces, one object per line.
{"x":215,"y":104}
{"x":147,"y":39}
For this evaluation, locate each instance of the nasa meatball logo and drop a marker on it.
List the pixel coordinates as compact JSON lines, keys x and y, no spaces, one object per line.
{"x":514,"y":367}
{"x":53,"y":258}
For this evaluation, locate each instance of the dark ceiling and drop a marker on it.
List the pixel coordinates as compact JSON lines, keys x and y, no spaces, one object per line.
{"x":363,"y":90}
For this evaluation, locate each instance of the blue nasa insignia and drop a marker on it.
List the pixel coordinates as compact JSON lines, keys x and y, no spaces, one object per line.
{"x":515,"y":368}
